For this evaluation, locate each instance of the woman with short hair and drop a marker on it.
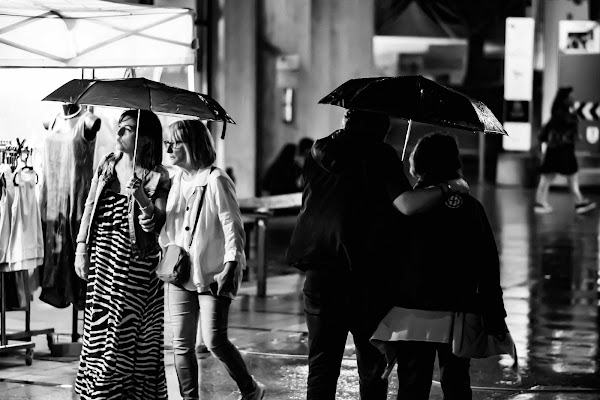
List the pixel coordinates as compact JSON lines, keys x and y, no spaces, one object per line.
{"x":203,"y":203}
{"x":450,"y":265}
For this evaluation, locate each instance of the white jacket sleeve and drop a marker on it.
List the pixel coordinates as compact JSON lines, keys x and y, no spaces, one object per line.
{"x":230,"y":216}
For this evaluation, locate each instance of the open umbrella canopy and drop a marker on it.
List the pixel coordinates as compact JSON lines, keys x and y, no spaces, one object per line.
{"x":415,"y":98}
{"x":140,"y":93}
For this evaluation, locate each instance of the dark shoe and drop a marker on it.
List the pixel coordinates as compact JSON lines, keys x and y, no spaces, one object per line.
{"x":540,"y":208}
{"x":257,"y":394}
{"x":584,"y":207}
{"x":202,"y":351}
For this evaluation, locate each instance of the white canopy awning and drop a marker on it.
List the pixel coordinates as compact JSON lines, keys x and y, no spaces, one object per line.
{"x":93,"y":34}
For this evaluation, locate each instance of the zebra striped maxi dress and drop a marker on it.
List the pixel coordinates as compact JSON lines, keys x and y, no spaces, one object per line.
{"x":123,"y":339}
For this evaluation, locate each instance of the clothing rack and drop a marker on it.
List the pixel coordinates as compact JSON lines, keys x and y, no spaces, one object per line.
{"x":11,"y":154}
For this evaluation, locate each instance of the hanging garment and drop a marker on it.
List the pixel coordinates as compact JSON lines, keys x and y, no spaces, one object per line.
{"x":22,"y":238}
{"x":25,"y":243}
{"x":122,"y":353}
{"x":5,"y":205}
{"x":68,"y":170}
{"x":11,"y":285}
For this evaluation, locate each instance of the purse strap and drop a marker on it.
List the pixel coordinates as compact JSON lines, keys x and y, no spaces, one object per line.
{"x":199,"y":209}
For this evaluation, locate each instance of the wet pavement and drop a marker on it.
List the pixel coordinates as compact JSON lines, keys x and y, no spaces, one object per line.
{"x":549,"y":272}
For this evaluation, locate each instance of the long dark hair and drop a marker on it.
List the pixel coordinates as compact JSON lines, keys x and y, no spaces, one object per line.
{"x":560,"y":104}
{"x":149,"y":152}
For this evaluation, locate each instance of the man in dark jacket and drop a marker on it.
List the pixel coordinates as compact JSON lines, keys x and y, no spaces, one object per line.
{"x":348,"y":236}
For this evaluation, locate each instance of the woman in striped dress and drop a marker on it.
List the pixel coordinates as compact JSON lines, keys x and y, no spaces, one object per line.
{"x":117,"y":253}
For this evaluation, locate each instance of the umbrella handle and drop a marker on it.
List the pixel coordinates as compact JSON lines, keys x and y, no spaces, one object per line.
{"x":406,"y":138}
{"x":224,"y":128}
{"x":137,"y":128}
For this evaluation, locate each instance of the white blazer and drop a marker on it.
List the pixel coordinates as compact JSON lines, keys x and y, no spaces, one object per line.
{"x":219,"y":235}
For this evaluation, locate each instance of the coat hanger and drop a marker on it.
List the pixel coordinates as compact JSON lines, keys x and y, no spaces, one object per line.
{"x":24,"y":151}
{"x":27,"y":168}
{"x":2,"y":185}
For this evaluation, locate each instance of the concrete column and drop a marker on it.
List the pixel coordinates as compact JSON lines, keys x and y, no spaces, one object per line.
{"x":234,"y":87}
{"x":333,"y":40}
{"x":284,"y":29}
{"x":342,"y":43}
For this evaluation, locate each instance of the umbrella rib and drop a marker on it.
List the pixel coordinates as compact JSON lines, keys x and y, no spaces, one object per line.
{"x":421,"y":96}
{"x":85,"y":91}
{"x":359,"y":91}
{"x":150,"y":99}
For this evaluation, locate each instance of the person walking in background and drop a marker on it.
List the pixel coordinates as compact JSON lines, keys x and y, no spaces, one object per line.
{"x":451,"y":264}
{"x":204,"y":195}
{"x":117,"y":253}
{"x":281,"y":176}
{"x":557,"y":139}
{"x":347,"y":238}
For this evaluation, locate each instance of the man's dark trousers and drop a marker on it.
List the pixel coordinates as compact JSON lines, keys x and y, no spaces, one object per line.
{"x":336,"y":303}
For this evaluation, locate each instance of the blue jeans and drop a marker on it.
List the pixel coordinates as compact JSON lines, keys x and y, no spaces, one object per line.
{"x":187,"y":310}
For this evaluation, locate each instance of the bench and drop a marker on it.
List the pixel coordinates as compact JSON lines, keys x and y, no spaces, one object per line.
{"x":256,"y":212}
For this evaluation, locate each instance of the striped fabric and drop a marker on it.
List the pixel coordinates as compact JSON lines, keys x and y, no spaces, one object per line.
{"x":122,"y":355}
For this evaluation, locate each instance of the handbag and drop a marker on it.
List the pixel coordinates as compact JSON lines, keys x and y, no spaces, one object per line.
{"x":175,"y":264}
{"x":469,"y":339}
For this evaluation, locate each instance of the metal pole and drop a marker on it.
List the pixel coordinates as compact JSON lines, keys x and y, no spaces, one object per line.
{"x":481,"y":159}
{"x":208,"y":54}
{"x":406,"y":138}
{"x":261,"y":262}
{"x":3,"y":310}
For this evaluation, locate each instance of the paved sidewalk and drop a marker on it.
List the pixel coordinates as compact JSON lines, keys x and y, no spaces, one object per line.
{"x":272,"y":336}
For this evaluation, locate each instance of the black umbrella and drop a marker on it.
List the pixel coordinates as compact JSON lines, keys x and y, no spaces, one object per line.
{"x":141,"y":94}
{"x":415,"y":98}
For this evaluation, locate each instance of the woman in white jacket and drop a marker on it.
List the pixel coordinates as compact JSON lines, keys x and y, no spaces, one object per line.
{"x":216,"y":254}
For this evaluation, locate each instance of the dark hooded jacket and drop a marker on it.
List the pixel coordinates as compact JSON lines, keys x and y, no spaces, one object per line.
{"x":347,"y":220}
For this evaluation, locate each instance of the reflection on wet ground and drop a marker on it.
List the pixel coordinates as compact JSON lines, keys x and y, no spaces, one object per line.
{"x":549,"y":272}
{"x":563,"y":316}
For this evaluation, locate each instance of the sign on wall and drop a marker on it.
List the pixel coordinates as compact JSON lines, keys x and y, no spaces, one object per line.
{"x":587,"y":110}
{"x":579,"y":37}
{"x":578,"y":66}
{"x":518,"y":83}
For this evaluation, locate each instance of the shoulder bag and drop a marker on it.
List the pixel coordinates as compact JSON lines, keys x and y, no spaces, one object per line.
{"x":175,"y":265}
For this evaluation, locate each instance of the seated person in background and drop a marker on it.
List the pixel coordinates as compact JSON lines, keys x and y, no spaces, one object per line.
{"x":282,"y":174}
{"x":304,"y":146}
